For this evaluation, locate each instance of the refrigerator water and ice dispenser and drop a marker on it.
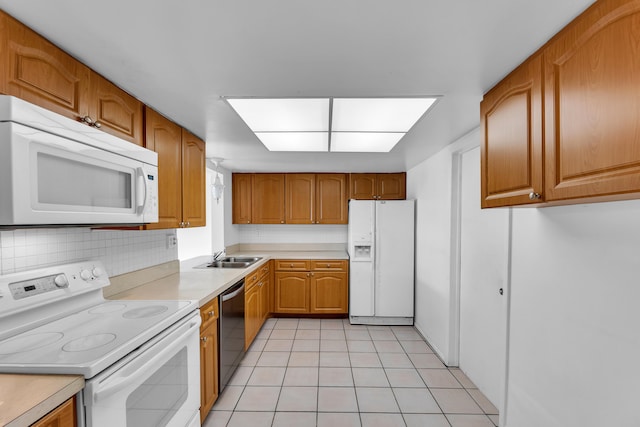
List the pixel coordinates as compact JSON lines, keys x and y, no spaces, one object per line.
{"x":361,"y":253}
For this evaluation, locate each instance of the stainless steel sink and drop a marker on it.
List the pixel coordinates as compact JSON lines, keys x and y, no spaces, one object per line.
{"x":250,"y":260}
{"x":231,"y":262}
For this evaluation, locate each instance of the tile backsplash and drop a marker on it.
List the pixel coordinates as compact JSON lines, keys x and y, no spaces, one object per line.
{"x":120,"y":251}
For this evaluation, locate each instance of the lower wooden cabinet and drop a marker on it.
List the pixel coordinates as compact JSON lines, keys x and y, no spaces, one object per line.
{"x":322,"y":288}
{"x":257,"y":299}
{"x":208,"y":357}
{"x":63,"y":416}
{"x":291,"y":292}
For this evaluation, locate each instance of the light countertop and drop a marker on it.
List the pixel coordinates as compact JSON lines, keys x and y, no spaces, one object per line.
{"x":25,"y":398}
{"x":204,"y":284}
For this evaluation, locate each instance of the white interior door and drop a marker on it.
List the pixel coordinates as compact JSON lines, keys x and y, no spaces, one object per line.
{"x":484,"y":245}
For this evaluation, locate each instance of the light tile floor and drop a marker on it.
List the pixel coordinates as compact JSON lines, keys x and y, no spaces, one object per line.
{"x":327,"y":372}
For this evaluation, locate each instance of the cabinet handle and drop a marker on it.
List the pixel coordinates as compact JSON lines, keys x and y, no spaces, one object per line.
{"x":260,"y":284}
{"x":290,"y":265}
{"x":535,"y":196}
{"x":308,"y":274}
{"x":211,"y":313}
{"x":188,"y":223}
{"x":89,"y":121}
{"x":248,"y":222}
{"x":312,"y":274}
{"x":204,"y":339}
{"x":281,"y":222}
{"x":328,"y":265}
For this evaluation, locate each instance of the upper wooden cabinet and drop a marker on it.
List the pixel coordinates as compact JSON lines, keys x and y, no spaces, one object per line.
{"x":267,"y":198}
{"x":592,"y":78}
{"x":378,"y":186}
{"x":300,"y":198}
{"x":332,"y":201}
{"x":181,"y":173}
{"x":316,"y":198}
{"x":290,"y":198}
{"x":118,"y":113}
{"x":194,"y":177}
{"x":585,"y":83}
{"x":37,"y":71}
{"x":511,"y":149}
{"x":241,"y":197}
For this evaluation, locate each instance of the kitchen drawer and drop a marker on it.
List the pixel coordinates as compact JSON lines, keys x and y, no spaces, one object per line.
{"x":292,"y":264}
{"x":329,"y":265}
{"x":254,"y":277}
{"x":209,"y":313}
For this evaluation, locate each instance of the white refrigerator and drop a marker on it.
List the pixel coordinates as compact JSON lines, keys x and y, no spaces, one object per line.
{"x":381,"y":262}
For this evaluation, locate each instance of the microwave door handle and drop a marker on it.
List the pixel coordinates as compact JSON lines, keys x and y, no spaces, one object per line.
{"x":141,"y":189}
{"x":143,"y":365}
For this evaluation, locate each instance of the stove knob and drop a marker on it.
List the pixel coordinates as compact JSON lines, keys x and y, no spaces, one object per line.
{"x":85,"y":274}
{"x":61,"y":281}
{"x":97,"y":272}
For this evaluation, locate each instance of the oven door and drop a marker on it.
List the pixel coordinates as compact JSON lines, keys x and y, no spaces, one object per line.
{"x":158,"y":385}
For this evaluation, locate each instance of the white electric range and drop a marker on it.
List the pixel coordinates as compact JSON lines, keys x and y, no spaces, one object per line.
{"x":140,"y":359}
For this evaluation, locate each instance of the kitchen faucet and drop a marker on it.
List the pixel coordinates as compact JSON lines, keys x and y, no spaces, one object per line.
{"x":217,"y":255}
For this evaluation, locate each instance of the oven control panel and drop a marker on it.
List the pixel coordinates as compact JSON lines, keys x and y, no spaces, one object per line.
{"x":33,"y":287}
{"x":37,"y":286}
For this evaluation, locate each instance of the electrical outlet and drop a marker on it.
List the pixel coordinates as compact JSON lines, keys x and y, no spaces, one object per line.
{"x":172,"y":241}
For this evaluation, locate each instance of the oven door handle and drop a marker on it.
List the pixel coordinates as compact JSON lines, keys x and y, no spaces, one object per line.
{"x":146,"y":362}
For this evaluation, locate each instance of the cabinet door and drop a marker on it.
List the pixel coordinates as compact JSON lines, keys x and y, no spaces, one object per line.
{"x":511,"y":148}
{"x":194,"y":177}
{"x":208,"y":368}
{"x":329,"y":293}
{"x":265,"y":309}
{"x":291,"y":292}
{"x":363,"y":186}
{"x":592,"y":76}
{"x":241,"y":195}
{"x":391,"y":186}
{"x":37,"y":71}
{"x":267,"y":198}
{"x":331,"y":198}
{"x":63,"y":416}
{"x":300,"y":196}
{"x":165,"y":138}
{"x":252,"y":314}
{"x":118,"y":113}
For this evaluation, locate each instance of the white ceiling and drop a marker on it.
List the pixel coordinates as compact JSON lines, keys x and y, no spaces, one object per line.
{"x":181,"y":57}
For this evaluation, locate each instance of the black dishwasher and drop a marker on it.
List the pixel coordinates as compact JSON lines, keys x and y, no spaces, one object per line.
{"x":231,"y":331}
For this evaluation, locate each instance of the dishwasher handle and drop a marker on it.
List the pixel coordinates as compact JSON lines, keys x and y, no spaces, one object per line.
{"x":234,"y":291}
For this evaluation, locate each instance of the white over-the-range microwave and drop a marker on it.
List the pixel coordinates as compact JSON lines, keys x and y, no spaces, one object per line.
{"x":56,"y":171}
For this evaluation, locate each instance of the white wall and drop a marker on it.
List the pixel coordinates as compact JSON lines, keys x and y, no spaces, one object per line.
{"x":193,"y":242}
{"x":430,"y":183}
{"x":290,"y":233}
{"x":573,"y":336}
{"x":231,"y":231}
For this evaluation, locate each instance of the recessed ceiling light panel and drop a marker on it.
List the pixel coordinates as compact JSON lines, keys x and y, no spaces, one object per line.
{"x":295,"y":141}
{"x":367,"y":142}
{"x":378,"y":114}
{"x":283,"y":114}
{"x":357,"y":124}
